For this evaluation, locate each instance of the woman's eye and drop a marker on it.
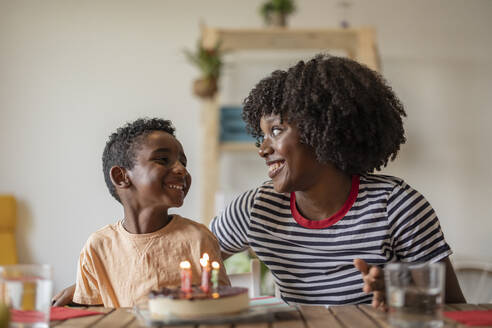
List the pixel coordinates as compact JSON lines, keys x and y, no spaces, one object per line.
{"x":276,"y":131}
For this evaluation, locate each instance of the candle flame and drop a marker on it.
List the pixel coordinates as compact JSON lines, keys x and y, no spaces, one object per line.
{"x":185,"y":265}
{"x":203,"y":262}
{"x":215,"y":265}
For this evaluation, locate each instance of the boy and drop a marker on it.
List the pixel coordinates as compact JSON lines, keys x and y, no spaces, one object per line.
{"x":144,"y":168}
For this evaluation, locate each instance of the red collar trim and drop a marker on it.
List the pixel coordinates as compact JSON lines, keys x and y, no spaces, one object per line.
{"x":311,"y":224}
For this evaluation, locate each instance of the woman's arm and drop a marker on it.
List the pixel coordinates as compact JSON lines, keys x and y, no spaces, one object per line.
{"x":232,"y":225}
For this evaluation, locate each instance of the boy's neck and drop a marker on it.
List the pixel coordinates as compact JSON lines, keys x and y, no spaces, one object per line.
{"x":145,"y":221}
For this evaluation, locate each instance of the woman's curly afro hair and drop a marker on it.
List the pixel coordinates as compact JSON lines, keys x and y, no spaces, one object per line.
{"x":345,"y":111}
{"x":120,"y":149}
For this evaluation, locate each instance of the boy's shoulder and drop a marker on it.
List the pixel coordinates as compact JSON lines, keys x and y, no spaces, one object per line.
{"x":186,"y":225}
{"x":109,"y":231}
{"x":179,"y":226}
{"x":187,"y":222}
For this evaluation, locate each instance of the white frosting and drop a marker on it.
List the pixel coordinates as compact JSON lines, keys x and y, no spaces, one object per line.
{"x":164,"y":306}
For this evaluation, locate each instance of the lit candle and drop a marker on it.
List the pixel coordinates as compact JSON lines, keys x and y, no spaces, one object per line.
{"x":215,"y":275}
{"x":185,"y":276}
{"x":205,"y":273}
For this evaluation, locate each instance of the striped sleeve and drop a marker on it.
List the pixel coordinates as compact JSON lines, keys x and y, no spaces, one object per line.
{"x":231,"y":227}
{"x":415,"y":232}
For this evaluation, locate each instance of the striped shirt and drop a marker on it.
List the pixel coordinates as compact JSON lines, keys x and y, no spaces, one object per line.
{"x":383,"y":220}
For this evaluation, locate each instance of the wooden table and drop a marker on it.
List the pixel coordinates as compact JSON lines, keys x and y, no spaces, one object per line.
{"x":348,"y":316}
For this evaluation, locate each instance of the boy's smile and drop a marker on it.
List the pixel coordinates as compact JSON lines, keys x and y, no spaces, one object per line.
{"x":159,"y":177}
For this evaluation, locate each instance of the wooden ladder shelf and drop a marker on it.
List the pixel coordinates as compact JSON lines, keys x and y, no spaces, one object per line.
{"x":359,"y":44}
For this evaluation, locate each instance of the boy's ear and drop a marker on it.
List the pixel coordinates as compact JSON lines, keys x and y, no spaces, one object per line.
{"x":119,"y":177}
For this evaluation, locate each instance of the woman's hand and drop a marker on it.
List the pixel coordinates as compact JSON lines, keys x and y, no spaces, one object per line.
{"x":373,"y":282}
{"x":64,"y":297}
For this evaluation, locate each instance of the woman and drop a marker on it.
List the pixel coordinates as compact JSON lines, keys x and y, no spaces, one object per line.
{"x":324,"y":218}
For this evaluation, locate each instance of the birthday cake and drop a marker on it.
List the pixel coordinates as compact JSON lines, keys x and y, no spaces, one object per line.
{"x":196,"y":303}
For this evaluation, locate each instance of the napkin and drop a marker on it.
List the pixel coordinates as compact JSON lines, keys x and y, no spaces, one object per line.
{"x":63,"y":313}
{"x":26,"y":316}
{"x":471,"y":318}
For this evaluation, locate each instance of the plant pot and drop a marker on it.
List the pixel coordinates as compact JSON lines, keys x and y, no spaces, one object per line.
{"x":205,"y":87}
{"x":276,"y":19}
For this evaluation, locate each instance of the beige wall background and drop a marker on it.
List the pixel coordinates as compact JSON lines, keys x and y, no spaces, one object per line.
{"x":73,"y":71}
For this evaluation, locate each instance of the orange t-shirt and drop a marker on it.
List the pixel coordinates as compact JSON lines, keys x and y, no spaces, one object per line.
{"x":119,"y":269}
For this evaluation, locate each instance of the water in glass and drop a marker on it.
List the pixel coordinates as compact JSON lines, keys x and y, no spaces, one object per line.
{"x":27,"y":292}
{"x":415,"y":294}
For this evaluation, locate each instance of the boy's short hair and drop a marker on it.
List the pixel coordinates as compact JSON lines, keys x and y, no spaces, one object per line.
{"x":121,"y":147}
{"x":344,"y":110}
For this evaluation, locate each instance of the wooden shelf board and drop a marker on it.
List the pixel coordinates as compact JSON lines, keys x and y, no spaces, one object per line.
{"x":281,"y":38}
{"x":358,"y":43}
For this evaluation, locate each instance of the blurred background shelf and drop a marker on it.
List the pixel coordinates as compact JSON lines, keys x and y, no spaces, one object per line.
{"x":238,"y":146}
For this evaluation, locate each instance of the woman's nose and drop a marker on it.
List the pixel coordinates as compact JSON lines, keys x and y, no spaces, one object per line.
{"x":265,"y":149}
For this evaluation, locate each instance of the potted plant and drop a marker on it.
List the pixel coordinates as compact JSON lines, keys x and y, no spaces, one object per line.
{"x":275,"y":12}
{"x":209,"y":62}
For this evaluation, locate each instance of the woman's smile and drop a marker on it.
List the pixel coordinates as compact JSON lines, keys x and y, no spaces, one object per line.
{"x":274,"y":168}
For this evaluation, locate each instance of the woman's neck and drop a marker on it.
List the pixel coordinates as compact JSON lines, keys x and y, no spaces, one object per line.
{"x":145,"y":220}
{"x":326,"y":197}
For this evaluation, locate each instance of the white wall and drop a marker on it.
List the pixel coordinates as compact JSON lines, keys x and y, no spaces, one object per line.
{"x":72,"y":71}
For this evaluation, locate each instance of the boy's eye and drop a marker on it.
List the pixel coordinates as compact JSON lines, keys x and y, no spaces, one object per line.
{"x":163,"y":160}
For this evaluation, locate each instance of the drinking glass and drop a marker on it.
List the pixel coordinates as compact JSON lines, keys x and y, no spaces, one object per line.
{"x":26,"y":289}
{"x":415,"y":294}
